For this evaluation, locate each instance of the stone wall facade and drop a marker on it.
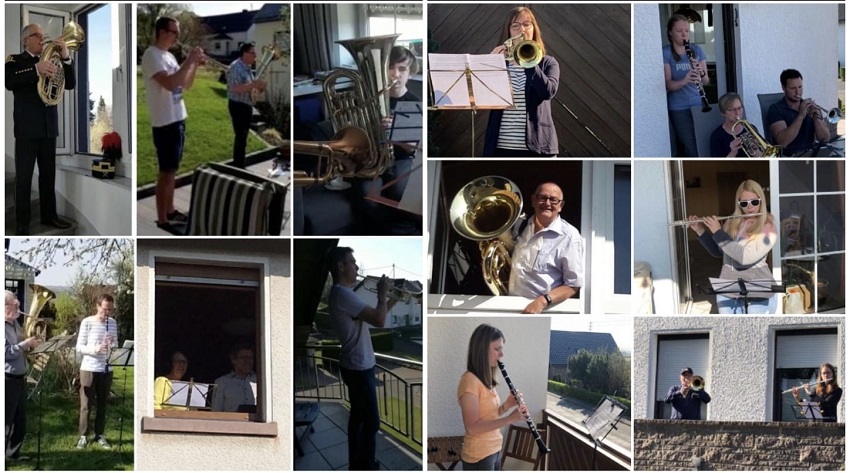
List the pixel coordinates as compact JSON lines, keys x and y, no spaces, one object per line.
{"x":704,"y":445}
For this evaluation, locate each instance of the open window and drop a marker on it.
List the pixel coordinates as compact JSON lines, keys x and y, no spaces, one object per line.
{"x":798,"y":355}
{"x":675,"y":352}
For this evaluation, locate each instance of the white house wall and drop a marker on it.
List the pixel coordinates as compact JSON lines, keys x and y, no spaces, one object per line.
{"x":652,"y":242}
{"x":526,"y":355}
{"x":400,"y":309}
{"x":767,"y":49}
{"x":12,"y":46}
{"x":180,"y":452}
{"x":651,"y":132}
{"x":99,"y":207}
{"x":741,"y":351}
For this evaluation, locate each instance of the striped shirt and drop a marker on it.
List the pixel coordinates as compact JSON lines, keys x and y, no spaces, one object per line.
{"x":92,"y":333}
{"x":512,"y":128}
{"x":238,"y":73}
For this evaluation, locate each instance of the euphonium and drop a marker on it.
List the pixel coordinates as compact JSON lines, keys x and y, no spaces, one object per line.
{"x":753,"y":144}
{"x":270,"y":53}
{"x":362,"y":105}
{"x":697,"y":383}
{"x":33,"y":326}
{"x":484,"y":210}
{"x":51,"y":88}
{"x":525,"y":52}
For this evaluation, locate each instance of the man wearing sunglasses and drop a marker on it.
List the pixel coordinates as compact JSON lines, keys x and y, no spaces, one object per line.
{"x":547,"y":264}
{"x":36,"y":126}
{"x":240,"y":85}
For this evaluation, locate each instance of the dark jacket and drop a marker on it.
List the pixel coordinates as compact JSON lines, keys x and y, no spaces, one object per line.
{"x":33,"y":119}
{"x":541,"y":85}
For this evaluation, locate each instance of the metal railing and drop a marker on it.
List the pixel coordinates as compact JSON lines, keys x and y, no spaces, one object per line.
{"x":572,"y":448}
{"x":399,"y":399}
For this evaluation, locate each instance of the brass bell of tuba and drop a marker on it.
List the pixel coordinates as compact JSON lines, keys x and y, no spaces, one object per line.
{"x":697,"y":383}
{"x":51,"y":88}
{"x":753,"y":144}
{"x":484,"y":210}
{"x":33,"y":326}
{"x":360,"y":101}
{"x":270,"y":53}
{"x":525,"y":52}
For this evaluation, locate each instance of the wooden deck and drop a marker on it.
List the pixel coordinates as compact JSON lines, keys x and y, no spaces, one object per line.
{"x":146,"y":208}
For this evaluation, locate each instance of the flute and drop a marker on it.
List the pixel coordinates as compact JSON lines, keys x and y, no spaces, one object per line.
{"x":701,"y":220}
{"x":813,"y":383}
{"x":540,"y":444}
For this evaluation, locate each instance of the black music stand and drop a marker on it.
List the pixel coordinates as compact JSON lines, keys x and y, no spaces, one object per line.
{"x":189,"y":394}
{"x":486,"y":84}
{"x":823,"y":149}
{"x":49,"y":347}
{"x":811,"y":411}
{"x":123,"y":357}
{"x":744,"y":289}
{"x":602,"y":421}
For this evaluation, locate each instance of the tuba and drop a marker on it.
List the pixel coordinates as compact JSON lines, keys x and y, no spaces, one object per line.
{"x":484,"y":210}
{"x":361,"y":106}
{"x":697,"y":383}
{"x":525,"y":52}
{"x":753,"y":144}
{"x":51,"y":88}
{"x":33,"y":326}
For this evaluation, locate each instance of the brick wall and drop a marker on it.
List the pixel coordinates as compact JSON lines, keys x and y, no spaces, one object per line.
{"x":775,"y":446}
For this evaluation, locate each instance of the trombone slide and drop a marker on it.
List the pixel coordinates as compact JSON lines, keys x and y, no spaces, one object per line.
{"x":701,"y":220}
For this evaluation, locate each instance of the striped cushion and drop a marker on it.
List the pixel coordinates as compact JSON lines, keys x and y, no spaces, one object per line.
{"x":227,"y":205}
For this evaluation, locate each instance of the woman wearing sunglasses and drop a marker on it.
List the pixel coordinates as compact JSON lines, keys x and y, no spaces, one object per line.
{"x":743,"y":242}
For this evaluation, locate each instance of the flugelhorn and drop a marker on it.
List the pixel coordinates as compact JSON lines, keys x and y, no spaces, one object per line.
{"x":697,"y":383}
{"x":33,"y":326}
{"x":813,"y":383}
{"x":484,"y":210}
{"x":701,"y":220}
{"x":525,"y":52}
{"x":753,"y":144}
{"x":51,"y":87}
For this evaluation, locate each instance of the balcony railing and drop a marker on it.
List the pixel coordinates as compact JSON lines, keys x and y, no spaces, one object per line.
{"x":572,"y":448}
{"x":399,"y":400}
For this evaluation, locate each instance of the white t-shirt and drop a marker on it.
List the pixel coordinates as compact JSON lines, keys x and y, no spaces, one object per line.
{"x":344,"y":307}
{"x":165,"y":107}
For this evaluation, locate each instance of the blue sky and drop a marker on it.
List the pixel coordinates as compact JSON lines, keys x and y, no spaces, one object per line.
{"x":100,"y":44}
{"x":57,"y":275}
{"x":376,"y":256}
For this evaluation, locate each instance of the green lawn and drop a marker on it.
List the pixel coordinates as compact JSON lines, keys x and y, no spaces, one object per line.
{"x":60,"y":414}
{"x":209,"y":132}
{"x":397,"y":407}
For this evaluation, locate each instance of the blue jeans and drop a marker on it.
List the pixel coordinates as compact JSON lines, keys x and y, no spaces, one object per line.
{"x":364,"y":419}
{"x":735,"y":305}
{"x":682,"y":134}
{"x":488,"y":463}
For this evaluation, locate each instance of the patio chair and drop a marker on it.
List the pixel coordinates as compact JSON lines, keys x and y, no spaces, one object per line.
{"x":305,"y":414}
{"x":520,"y":444}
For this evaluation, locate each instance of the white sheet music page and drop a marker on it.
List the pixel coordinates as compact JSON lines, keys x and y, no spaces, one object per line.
{"x":448,"y":79}
{"x":491,"y":82}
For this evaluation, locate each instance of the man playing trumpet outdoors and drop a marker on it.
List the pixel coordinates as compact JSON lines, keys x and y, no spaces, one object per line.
{"x":16,"y":383}
{"x":795,"y":122}
{"x":688,"y":396}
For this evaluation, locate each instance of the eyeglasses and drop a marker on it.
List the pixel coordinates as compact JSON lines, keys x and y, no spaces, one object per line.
{"x":744,"y":203}
{"x":736,"y":109}
{"x":36,"y":35}
{"x":526,"y":25}
{"x":544,"y":198}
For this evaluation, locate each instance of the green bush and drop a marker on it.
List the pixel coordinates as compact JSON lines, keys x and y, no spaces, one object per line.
{"x":587,"y":396}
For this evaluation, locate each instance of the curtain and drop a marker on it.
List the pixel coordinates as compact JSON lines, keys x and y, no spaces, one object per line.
{"x":313,"y":27}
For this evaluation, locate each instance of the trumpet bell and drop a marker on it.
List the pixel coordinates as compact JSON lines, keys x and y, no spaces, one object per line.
{"x":697,"y":383}
{"x":527,"y":53}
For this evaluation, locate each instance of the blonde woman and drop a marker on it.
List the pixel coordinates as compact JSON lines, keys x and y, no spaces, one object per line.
{"x":744,"y":244}
{"x":482,"y":409}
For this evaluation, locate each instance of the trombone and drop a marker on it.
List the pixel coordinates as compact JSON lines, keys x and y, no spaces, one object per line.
{"x":525,"y":52}
{"x":701,"y":220}
{"x":813,"y":383}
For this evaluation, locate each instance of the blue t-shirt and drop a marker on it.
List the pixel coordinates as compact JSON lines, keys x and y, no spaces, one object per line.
{"x":687,"y":96}
{"x":781,"y":111}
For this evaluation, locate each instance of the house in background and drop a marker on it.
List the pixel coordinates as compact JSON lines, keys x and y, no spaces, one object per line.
{"x":18,"y":276}
{"x":563,"y":345}
{"x":403,"y":314}
{"x":226,"y":33}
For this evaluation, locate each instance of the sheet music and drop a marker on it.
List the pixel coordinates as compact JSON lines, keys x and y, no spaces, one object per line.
{"x":407,"y":122}
{"x":811,"y":410}
{"x":730,"y":288}
{"x":180,"y":394}
{"x":450,"y":86}
{"x":490,"y":69}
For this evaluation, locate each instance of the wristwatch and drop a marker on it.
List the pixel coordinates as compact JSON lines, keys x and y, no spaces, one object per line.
{"x":548,"y":299}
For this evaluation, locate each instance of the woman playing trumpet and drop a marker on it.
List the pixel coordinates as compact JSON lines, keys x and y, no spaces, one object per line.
{"x":527,"y":130}
{"x":826,"y":392}
{"x":743,"y":243}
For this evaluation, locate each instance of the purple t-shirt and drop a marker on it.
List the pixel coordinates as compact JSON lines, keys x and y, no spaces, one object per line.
{"x":687,"y":96}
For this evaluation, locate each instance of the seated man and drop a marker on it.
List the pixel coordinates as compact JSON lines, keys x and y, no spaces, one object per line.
{"x":236,"y":391}
{"x":793,"y":121}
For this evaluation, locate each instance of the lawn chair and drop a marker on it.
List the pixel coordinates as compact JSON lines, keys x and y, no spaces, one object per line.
{"x":305,"y":414}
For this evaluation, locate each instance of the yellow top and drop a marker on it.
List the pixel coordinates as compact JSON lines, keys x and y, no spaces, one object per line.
{"x":479,"y":446}
{"x":161,"y":392}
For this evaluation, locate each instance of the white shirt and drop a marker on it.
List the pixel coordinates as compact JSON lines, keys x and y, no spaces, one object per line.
{"x":232,"y":391}
{"x":344,"y":306}
{"x":550,"y":258}
{"x":92,"y":333}
{"x":165,"y":107}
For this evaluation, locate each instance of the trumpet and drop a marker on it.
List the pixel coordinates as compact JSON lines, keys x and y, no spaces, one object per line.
{"x":207,"y":60}
{"x":405,"y":292}
{"x":813,"y":383}
{"x":525,"y":52}
{"x":697,"y":383}
{"x":701,"y":220}
{"x":832,"y":116}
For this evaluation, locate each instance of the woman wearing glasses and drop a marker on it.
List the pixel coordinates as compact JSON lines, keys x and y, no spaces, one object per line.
{"x":547,"y":264}
{"x":726,"y":141}
{"x":527,"y":130}
{"x":743,"y":242}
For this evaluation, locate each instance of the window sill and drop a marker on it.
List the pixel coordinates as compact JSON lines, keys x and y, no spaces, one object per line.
{"x":205,"y":426}
{"x":119,"y":181}
{"x":466,"y":304}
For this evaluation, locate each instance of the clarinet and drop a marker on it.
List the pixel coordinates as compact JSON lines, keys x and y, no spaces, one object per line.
{"x":540,"y":444}
{"x":692,"y":56}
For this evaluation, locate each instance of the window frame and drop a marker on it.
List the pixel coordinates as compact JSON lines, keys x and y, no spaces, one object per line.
{"x":657,"y":397}
{"x":268,"y":425}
